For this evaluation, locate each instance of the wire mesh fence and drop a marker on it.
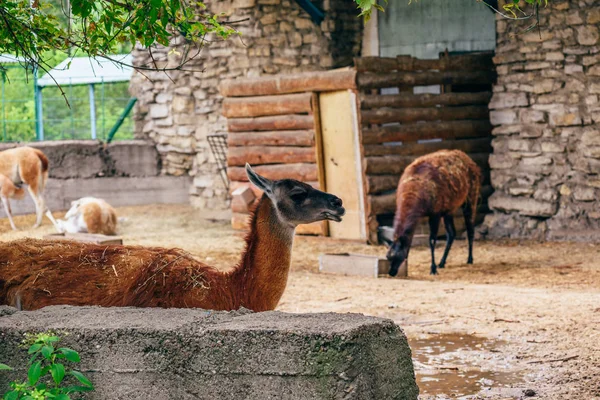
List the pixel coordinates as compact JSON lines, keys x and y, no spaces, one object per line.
{"x":218,"y":147}
{"x":61,"y":121}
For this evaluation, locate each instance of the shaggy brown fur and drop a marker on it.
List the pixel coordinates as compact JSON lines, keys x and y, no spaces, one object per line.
{"x":435,"y":185}
{"x":29,"y":166}
{"x":39,"y":273}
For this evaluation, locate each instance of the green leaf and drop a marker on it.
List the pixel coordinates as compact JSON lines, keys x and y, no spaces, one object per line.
{"x":63,"y":397}
{"x":58,"y":373}
{"x":47,"y":351}
{"x":34,"y":348}
{"x":69,"y":354}
{"x":4,"y":367}
{"x":78,"y":389}
{"x":34,"y":373}
{"x":13,"y":395}
{"x":81,"y":378}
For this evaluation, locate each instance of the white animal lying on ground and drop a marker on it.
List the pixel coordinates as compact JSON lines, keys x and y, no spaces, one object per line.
{"x":89,"y":215}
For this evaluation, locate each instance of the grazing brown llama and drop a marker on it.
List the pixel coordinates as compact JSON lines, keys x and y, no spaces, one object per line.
{"x":26,"y":165}
{"x":435,"y":186}
{"x":39,"y":273}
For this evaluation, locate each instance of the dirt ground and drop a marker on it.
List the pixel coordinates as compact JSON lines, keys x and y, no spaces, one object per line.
{"x":524,"y":320}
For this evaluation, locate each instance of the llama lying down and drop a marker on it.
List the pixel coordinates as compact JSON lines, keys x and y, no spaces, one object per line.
{"x":39,"y":273}
{"x":89,"y":215}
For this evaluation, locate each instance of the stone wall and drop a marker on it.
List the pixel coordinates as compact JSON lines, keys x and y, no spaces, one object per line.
{"x":179,"y":109}
{"x":546,"y":113}
{"x":140,"y":354}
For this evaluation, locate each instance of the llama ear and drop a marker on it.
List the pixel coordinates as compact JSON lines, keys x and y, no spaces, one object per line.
{"x":264,"y":184}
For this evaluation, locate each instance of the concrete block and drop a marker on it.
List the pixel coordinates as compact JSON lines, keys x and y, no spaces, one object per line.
{"x":354,"y":264}
{"x":183,"y":354}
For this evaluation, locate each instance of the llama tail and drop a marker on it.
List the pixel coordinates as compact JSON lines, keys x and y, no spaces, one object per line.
{"x":45,"y":163}
{"x":43,"y":159}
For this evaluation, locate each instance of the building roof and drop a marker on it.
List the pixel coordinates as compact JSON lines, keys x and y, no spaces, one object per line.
{"x":10,"y":59}
{"x":87,"y":70}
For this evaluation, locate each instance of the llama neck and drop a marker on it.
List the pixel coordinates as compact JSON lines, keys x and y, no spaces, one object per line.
{"x":411,"y":207}
{"x":261,"y":276}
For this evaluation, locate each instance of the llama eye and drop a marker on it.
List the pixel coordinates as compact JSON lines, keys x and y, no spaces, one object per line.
{"x":298,"y":196}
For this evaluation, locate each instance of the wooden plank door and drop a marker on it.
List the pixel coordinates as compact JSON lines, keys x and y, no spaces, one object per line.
{"x":341,"y":161}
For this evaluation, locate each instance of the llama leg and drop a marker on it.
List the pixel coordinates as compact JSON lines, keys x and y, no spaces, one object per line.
{"x":48,"y":213}
{"x":468,"y":213}
{"x":8,"y":211}
{"x":434,"y":225}
{"x":450,"y":235}
{"x":39,"y":210}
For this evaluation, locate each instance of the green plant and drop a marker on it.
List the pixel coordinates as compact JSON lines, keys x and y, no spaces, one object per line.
{"x":47,"y":375}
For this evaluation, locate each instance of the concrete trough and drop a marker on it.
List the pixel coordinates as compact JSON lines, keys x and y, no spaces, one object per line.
{"x":183,"y":354}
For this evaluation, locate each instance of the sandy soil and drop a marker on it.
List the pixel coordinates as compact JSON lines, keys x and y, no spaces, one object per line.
{"x":525,"y":316}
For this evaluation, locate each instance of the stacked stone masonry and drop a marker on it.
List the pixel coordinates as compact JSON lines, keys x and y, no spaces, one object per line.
{"x":179,"y":109}
{"x":546,"y":112}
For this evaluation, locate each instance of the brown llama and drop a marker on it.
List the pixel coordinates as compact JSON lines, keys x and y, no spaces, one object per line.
{"x":26,"y":165}
{"x":435,"y":186}
{"x":39,"y":273}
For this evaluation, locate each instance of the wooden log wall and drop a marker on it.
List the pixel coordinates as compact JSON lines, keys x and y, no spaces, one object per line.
{"x":273,"y":124}
{"x":397,"y":128}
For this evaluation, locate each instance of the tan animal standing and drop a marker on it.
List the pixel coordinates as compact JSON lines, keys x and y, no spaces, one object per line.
{"x":89,"y":215}
{"x":26,"y":165}
{"x":9,"y":190}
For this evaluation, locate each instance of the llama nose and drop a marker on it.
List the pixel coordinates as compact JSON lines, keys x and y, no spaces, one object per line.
{"x":335,"y":202}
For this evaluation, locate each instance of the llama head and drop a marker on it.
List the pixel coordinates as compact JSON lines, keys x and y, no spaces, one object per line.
{"x":398,"y":253}
{"x":296,"y":202}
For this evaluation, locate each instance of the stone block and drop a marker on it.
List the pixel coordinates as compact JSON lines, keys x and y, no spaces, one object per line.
{"x":552,"y":147}
{"x":555,"y":56}
{"x":584,"y":194}
{"x":593,"y":15}
{"x":159,"y":111}
{"x":590,"y":137}
{"x":508,"y":100}
{"x":520,"y":145}
{"x":536,"y":37}
{"x":520,"y":191}
{"x":524,"y":206}
{"x":531,"y":131}
{"x":269,"y":19}
{"x":500,"y":161}
{"x":243,"y":3}
{"x":571,"y":69}
{"x":587,"y":35}
{"x":186,"y":354}
{"x":503,"y":117}
{"x":528,"y":116}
